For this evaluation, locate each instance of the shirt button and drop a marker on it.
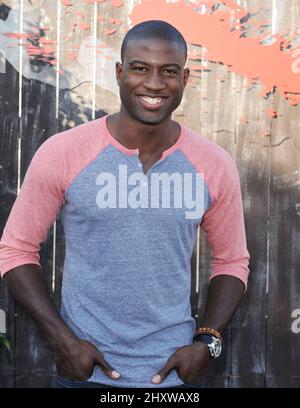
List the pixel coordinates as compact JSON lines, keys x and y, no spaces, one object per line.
{"x":139,"y":164}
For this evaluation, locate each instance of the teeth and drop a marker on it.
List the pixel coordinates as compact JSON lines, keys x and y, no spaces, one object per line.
{"x":151,"y":101}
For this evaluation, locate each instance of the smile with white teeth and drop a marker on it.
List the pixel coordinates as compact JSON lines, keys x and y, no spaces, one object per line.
{"x":151,"y":100}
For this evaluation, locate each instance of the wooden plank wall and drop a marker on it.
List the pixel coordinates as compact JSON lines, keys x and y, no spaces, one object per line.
{"x":72,"y":81}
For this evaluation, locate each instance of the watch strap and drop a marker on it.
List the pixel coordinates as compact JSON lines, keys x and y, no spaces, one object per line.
{"x":204,"y":338}
{"x":209,"y":330}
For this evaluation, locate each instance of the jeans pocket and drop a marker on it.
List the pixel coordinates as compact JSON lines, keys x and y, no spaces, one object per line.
{"x":61,"y":382}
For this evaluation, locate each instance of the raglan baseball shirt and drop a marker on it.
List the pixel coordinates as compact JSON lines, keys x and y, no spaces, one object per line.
{"x":129,"y":239}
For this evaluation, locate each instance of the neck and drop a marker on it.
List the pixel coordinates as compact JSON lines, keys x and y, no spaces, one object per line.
{"x":147,"y":138}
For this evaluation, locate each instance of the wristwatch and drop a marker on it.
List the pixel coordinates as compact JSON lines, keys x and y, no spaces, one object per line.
{"x":213,"y":343}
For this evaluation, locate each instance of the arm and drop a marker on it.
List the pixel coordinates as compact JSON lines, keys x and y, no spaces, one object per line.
{"x":75,"y":357}
{"x":223,"y":297}
{"x":34,"y":211}
{"x":27,"y":285}
{"x":225,"y":233}
{"x":191,"y":362}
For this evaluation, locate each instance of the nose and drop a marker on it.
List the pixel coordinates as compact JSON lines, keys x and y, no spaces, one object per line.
{"x":154,"y":81}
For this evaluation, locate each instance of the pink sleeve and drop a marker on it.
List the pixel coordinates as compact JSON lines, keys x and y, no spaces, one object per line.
{"x":224,"y":225}
{"x":34,"y":209}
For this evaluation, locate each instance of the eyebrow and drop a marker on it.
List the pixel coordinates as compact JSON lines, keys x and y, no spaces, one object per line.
{"x":146,"y":63}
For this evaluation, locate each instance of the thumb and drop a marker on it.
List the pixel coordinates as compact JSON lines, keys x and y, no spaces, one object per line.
{"x":106,"y":367}
{"x":164,"y":372}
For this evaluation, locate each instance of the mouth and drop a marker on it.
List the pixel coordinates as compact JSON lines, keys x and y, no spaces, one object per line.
{"x":152,"y":103}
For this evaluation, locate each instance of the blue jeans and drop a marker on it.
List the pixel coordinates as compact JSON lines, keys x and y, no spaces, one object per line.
{"x":59,"y":382}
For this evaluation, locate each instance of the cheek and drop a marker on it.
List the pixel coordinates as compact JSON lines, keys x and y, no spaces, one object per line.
{"x":176,"y":87}
{"x":131,"y":81}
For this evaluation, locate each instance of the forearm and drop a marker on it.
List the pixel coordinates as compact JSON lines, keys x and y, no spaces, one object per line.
{"x":28,"y":287}
{"x":224,"y":295}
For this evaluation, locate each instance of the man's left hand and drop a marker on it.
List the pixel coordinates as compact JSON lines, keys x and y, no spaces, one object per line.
{"x":191,"y":362}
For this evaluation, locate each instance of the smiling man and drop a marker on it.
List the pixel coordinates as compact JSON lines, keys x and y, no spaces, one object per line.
{"x":125,"y":318}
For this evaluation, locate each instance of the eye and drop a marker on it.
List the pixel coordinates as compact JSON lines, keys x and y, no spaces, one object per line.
{"x":171,"y":71}
{"x":141,"y":69}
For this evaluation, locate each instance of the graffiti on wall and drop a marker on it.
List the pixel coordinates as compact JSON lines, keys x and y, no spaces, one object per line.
{"x":267,"y":58}
{"x":218,"y":32}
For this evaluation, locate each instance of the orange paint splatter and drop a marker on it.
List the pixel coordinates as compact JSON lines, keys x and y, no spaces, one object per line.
{"x":244,"y":56}
{"x":46,"y":41}
{"x":80,"y":14}
{"x":17,"y":35}
{"x":272,"y":113}
{"x":117,"y":3}
{"x":84,"y":26}
{"x":66,"y":3}
{"x":32,"y":50}
{"x":196,"y":74}
{"x":72,"y":56}
{"x":110,"y":32}
{"x":198,"y":67}
{"x":94,"y":1}
{"x":47,"y":50}
{"x":116,"y":21}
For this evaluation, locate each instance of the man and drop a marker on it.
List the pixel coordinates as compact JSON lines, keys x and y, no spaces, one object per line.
{"x":125,"y":185}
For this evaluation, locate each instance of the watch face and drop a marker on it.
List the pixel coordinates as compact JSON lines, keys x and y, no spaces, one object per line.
{"x":215,"y":347}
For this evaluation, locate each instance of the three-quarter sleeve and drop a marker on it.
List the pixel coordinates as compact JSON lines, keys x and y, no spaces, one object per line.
{"x":225,"y":228}
{"x":35,"y":208}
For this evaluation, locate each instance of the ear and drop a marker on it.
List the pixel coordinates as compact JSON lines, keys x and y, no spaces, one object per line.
{"x":186,"y":75}
{"x":119,"y":69}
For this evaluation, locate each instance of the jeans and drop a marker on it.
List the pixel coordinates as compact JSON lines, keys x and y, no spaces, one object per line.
{"x":59,"y":382}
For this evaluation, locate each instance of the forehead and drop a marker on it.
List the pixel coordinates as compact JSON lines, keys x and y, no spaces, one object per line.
{"x":155,"y":51}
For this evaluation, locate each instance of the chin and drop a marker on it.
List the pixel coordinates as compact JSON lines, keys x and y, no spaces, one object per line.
{"x":151,"y":121}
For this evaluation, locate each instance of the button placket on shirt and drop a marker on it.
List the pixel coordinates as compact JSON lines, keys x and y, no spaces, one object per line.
{"x":147,"y":175}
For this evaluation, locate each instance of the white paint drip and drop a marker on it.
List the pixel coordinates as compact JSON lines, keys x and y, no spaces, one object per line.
{"x":274,"y":17}
{"x":2,"y":322}
{"x":104,"y":74}
{"x":19,"y":162}
{"x":268,"y":221}
{"x":58,"y":17}
{"x":2,"y":62}
{"x":57,"y":88}
{"x":54,"y":258}
{"x":198,"y":261}
{"x":21,"y":13}
{"x":21,"y":28}
{"x":94,"y":60}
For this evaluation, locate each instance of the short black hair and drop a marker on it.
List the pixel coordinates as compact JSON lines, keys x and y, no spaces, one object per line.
{"x":153,"y":29}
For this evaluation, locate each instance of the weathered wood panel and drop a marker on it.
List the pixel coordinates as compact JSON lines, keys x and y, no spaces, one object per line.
{"x":253,"y":126}
{"x":217,"y":123}
{"x":283,"y":345}
{"x":249,"y":326}
{"x":9,"y":130}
